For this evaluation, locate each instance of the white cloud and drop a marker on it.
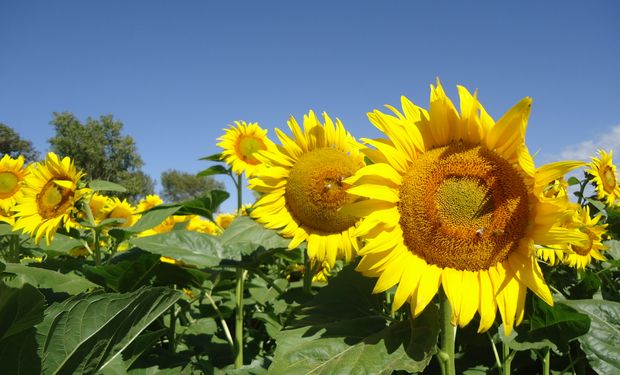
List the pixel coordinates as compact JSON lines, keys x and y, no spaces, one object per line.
{"x":587,"y":149}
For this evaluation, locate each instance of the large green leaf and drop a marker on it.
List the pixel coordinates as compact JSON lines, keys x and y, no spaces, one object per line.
{"x":61,"y":244}
{"x":133,"y":269}
{"x":342,"y":331}
{"x":552,"y":326}
{"x":43,"y":278}
{"x":244,"y":235}
{"x":20,"y":310}
{"x":199,"y":249}
{"x":84,"y":333}
{"x":602,"y":343}
{"x":152,"y":218}
{"x":101,"y":185}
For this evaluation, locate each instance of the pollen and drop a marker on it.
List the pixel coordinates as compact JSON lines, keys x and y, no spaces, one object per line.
{"x":315,"y":190}
{"x":463,"y":207}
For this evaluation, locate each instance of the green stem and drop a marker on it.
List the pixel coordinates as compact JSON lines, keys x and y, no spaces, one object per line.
{"x":171,"y":330}
{"x":239,"y":195}
{"x":239,"y":319}
{"x":495,"y":353}
{"x":13,"y":255}
{"x":507,"y":359}
{"x":547,"y":362}
{"x":91,"y":220}
{"x":582,"y":189}
{"x":229,"y":338}
{"x":307,"y":273}
{"x":448,"y":332}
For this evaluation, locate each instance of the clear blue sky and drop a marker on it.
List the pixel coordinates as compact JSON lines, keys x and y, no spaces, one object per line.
{"x":177,"y":72}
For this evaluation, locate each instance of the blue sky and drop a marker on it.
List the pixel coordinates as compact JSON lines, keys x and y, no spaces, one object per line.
{"x":176,"y":73}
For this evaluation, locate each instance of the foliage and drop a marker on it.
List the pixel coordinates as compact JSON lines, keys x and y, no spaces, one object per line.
{"x":11,"y":143}
{"x":99,"y":148}
{"x":181,"y":186}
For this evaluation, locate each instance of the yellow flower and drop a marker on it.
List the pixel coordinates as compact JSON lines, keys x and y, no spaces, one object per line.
{"x":224,"y":219}
{"x":303,"y":189}
{"x":149,"y":202}
{"x":603,"y":172}
{"x":322,"y":274}
{"x":453,"y":200}
{"x":50,"y":194}
{"x":165,"y":226}
{"x":121,"y":209}
{"x":240,"y":144}
{"x":98,"y":205}
{"x":580,"y":256}
{"x":12,"y":175}
{"x":199,"y":224}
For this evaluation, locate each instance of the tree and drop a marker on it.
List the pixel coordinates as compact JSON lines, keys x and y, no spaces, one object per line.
{"x":12,"y":144}
{"x":179,"y":186}
{"x":98,"y":148}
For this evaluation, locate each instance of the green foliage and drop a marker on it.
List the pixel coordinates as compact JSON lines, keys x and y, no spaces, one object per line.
{"x":11,"y":143}
{"x":99,"y":148}
{"x":180,"y":186}
{"x":70,"y":283}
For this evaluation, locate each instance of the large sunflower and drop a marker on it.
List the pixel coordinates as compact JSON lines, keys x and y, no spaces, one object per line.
{"x":240,"y":144}
{"x":12,"y":175}
{"x":603,"y":172}
{"x":303,"y":187}
{"x":454,"y":200}
{"x":50,"y":194}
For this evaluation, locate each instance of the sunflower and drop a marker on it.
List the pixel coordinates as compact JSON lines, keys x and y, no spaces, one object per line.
{"x":580,"y":256}
{"x":603,"y":172}
{"x":98,"y":205}
{"x":121,"y":209}
{"x":240,"y":144}
{"x":224,"y":219}
{"x":50,"y":194}
{"x":12,"y":175}
{"x":199,"y":224}
{"x":303,"y":189}
{"x":148,"y":202}
{"x":454,"y":200}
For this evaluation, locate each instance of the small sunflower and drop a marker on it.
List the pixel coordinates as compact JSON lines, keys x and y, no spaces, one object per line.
{"x":12,"y":175}
{"x":121,"y":209}
{"x":224,"y":219}
{"x":50,"y":194}
{"x":148,"y":202}
{"x":580,"y":256}
{"x":603,"y":172}
{"x":240,"y":144}
{"x":199,"y":224}
{"x":454,"y":200}
{"x":98,"y":204}
{"x":322,"y":274}
{"x":303,"y":189}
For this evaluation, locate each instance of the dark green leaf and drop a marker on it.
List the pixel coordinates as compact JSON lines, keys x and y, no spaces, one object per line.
{"x":151,"y":219}
{"x":198,"y":249}
{"x":61,"y":243}
{"x":342,"y":331}
{"x":214,"y":157}
{"x":204,"y":206}
{"x":216,"y":169}
{"x":43,"y":278}
{"x":6,"y":229}
{"x":100,"y":185}
{"x":602,"y":343}
{"x":558,"y":324}
{"x":83,"y":333}
{"x":573,"y":181}
{"x":245,"y":235}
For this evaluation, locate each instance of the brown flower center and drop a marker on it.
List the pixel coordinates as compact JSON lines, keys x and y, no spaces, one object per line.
{"x":53,"y":200}
{"x":463,"y":207}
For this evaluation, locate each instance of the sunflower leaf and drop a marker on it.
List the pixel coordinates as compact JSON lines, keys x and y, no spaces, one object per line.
{"x":245,"y":235}
{"x":214,"y":157}
{"x":343,"y":328}
{"x":86,"y":332}
{"x":601,"y":343}
{"x":101,"y":185}
{"x":43,"y":278}
{"x":216,"y":169}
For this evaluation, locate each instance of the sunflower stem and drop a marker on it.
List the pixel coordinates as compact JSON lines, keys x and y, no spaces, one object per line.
{"x":507,"y":359}
{"x":171,"y":330}
{"x":13,"y":255}
{"x":229,"y":338}
{"x":547,"y":362}
{"x":91,"y":221}
{"x":448,"y":333}
{"x":239,"y":290}
{"x":239,"y":319}
{"x":307,"y":273}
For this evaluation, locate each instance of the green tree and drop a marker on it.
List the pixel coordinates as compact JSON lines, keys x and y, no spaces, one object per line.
{"x":11,"y":143}
{"x":179,"y":186}
{"x":99,"y":148}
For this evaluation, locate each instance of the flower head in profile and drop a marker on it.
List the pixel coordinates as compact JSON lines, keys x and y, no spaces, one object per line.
{"x":453,"y":200}
{"x":603,"y":173}
{"x":12,"y":175}
{"x":148,"y":202}
{"x":241,"y":143}
{"x":50,"y":194}
{"x":303,"y":187}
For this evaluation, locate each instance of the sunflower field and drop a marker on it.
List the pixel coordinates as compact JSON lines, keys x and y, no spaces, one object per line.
{"x":441,"y":248}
